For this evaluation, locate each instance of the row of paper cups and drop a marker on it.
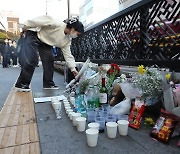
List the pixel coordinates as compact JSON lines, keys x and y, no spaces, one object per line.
{"x":80,"y":122}
{"x":93,"y":128}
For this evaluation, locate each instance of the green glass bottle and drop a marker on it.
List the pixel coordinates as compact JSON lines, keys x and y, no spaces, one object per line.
{"x":103,"y":93}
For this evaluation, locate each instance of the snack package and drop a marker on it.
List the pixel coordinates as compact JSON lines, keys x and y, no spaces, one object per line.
{"x":164,"y":127}
{"x":136,"y":114}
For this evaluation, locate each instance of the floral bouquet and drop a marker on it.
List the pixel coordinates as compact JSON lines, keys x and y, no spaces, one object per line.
{"x":171,"y":93}
{"x":86,"y":76}
{"x":112,"y":72}
{"x":149,"y":83}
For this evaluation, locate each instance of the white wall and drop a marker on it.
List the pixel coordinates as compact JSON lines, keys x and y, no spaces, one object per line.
{"x":3,"y":20}
{"x":127,"y":4}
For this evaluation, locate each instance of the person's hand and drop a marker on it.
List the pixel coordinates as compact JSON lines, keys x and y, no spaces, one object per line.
{"x":75,"y":73}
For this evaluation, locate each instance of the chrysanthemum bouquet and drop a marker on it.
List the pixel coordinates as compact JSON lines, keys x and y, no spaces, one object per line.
{"x":149,"y":82}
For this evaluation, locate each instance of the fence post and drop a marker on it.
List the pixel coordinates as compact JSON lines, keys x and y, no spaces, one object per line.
{"x":144,"y":41}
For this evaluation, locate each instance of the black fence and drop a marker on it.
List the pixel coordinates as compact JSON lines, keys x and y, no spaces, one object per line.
{"x":146,"y":33}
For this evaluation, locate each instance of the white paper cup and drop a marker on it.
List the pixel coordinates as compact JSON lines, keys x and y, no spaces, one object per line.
{"x":70,"y":115}
{"x":56,"y":104}
{"x":69,"y":110}
{"x":81,"y":124}
{"x":123,"y":127}
{"x":65,"y":102}
{"x":72,"y":100}
{"x":92,"y":137}
{"x":111,"y":129}
{"x":57,"y":109}
{"x":74,"y":116}
{"x":93,"y":125}
{"x":67,"y":105}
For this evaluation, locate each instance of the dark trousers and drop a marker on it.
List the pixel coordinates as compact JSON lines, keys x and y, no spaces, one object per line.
{"x":6,"y":58}
{"x":31,"y":45}
{"x":14,"y":58}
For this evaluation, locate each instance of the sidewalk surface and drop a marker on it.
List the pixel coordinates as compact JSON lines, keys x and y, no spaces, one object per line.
{"x":61,"y":137}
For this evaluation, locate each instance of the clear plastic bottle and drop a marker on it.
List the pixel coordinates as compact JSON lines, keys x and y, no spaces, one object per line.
{"x":96,"y":95}
{"x":77,"y":103}
{"x":91,"y":97}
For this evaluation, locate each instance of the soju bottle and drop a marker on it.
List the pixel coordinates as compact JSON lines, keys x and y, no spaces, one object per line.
{"x":103,"y":93}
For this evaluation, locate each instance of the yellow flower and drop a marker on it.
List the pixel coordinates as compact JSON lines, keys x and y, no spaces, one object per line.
{"x":149,"y":121}
{"x":141,"y":69}
{"x":168,"y":76}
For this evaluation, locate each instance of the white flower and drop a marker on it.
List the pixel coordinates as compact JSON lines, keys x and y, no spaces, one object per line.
{"x":149,"y":83}
{"x":123,"y":76}
{"x":121,"y":79}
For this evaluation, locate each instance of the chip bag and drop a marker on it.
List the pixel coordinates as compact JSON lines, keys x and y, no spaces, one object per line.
{"x":136,"y":114}
{"x":164,"y":126}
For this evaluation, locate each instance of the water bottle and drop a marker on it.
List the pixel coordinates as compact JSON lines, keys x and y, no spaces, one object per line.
{"x":77,"y":103}
{"x":96,"y":95}
{"x":91,"y":97}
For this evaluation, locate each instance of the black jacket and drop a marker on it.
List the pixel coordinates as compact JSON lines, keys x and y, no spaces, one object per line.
{"x":13,"y":51}
{"x":5,"y":49}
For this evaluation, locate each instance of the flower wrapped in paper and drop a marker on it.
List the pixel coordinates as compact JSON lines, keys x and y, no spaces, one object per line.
{"x":87,"y":75}
{"x":171,"y":95}
{"x":112,"y":72}
{"x":149,"y":83}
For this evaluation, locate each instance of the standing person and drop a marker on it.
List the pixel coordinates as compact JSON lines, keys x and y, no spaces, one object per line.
{"x":14,"y":53}
{"x":10,"y":56}
{"x":5,"y":50}
{"x":42,"y":33}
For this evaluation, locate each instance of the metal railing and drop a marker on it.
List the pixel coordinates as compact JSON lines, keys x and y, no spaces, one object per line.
{"x":146,"y":33}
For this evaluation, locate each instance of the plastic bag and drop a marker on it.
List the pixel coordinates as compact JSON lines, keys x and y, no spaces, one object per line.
{"x":83,"y":69}
{"x":129,"y":91}
{"x":121,"y":108}
{"x":124,"y":106}
{"x":168,"y":99}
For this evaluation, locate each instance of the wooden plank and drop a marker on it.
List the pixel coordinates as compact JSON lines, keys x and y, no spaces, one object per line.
{"x":13,"y":98}
{"x":20,"y":118}
{"x":18,"y":127}
{"x":18,"y":135}
{"x":10,"y":109}
{"x":10,"y":98}
{"x":32,"y":148}
{"x":18,"y":98}
{"x":17,"y":108}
